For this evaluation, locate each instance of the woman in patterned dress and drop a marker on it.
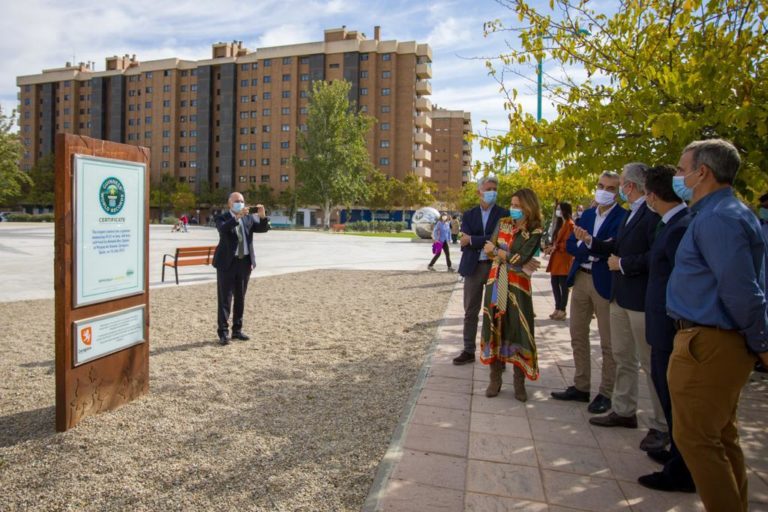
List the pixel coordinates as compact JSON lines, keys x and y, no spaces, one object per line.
{"x":507,"y":335}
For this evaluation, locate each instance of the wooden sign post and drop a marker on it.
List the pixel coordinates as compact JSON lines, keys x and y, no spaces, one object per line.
{"x":101,"y":276}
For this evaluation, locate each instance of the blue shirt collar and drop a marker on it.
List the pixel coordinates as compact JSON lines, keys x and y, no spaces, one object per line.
{"x":711,"y":199}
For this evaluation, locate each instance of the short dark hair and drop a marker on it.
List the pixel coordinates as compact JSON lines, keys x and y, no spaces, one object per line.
{"x":763,"y":198}
{"x":566,"y":210}
{"x":658,"y":180}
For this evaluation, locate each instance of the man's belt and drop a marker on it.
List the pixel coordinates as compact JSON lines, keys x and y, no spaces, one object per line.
{"x":687,"y":324}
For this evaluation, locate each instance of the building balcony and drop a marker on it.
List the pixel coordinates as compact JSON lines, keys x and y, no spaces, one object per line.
{"x":423,"y":172}
{"x":467,"y":159}
{"x":423,"y":105}
{"x":422,"y":138}
{"x":423,"y":155}
{"x":423,"y":87}
{"x":423,"y":121}
{"x":424,"y":70}
{"x":466,"y":168}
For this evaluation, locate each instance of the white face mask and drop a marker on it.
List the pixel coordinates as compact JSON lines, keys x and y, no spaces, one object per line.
{"x":558,"y":213}
{"x":604,"y":198}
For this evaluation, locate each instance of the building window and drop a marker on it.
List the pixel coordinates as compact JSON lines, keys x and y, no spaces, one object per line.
{"x":148,"y":90}
{"x":166,"y":134}
{"x":285,"y":145}
{"x":166,"y":103}
{"x":384,"y":126}
{"x":130,"y":136}
{"x":244,"y":83}
{"x":166,"y":149}
{"x":66,"y":125}
{"x":182,"y":134}
{"x":252,"y":162}
{"x":267,"y":96}
{"x":166,"y":72}
{"x":244,"y":130}
{"x":265,"y":178}
{"x":147,"y":135}
{"x":183,"y":103}
{"x":266,"y":112}
{"x":254,"y":81}
{"x":286,"y":78}
{"x":364,"y":74}
{"x":166,"y":88}
{"x":182,"y":163}
{"x":182,"y":149}
{"x":254,"y":113}
{"x":364,"y":108}
{"x":148,"y":74}
{"x":265,"y":161}
{"x":384,"y":109}
{"x":286,"y":60}
{"x":267,"y":79}
{"x":243,"y":67}
{"x":183,"y":88}
{"x":285,"y":128}
{"x":243,"y":163}
{"x":266,"y":128}
{"x":383,"y":161}
{"x":384,"y":144}
{"x":286,"y":94}
{"x":284,"y":160}
{"x":243,"y":147}
{"x":193,"y":164}
{"x":386,"y":74}
{"x":182,"y":119}
{"x":386,"y":56}
{"x":254,"y":98}
{"x":363,"y":91}
{"x":303,"y":94}
{"x":265,"y":145}
{"x":334,"y":66}
{"x":305,"y":77}
{"x":304,"y":60}
{"x":363,"y":56}
{"x":286,"y":111}
{"x":267,"y":63}
{"x":184,"y":72}
{"x":165,"y":164}
{"x":284,"y":178}
{"x":254,"y":146}
{"x":386,"y":91}
{"x":192,"y":103}
{"x":244,"y":99}
{"x":193,"y":87}
{"x":255,"y":65}
{"x":243,"y":115}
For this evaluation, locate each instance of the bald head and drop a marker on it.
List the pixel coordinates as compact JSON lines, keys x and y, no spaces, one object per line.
{"x":235,"y":197}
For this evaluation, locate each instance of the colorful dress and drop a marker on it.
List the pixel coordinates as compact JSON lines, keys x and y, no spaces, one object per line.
{"x":507,"y":333}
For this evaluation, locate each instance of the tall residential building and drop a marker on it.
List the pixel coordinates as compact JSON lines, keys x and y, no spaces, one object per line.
{"x":233,"y":120}
{"x":451,"y":149}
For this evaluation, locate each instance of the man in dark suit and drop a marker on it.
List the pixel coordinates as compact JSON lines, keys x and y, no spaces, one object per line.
{"x":628,"y":261}
{"x":660,"y":328}
{"x":477,"y":226}
{"x":591,"y":282}
{"x":234,"y":259}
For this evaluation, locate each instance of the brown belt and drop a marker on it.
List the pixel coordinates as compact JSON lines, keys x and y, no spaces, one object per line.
{"x":687,"y":324}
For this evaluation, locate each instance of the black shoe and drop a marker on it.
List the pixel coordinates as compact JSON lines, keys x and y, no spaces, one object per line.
{"x":464,"y":358}
{"x":660,"y":456}
{"x":571,"y":394}
{"x":654,"y":441}
{"x":240,"y":336}
{"x":503,"y":366}
{"x":223,"y":340}
{"x":661,"y":482}
{"x":600,"y":404}
{"x":614,"y":420}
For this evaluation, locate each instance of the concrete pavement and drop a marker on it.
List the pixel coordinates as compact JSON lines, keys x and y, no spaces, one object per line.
{"x":26,"y":255}
{"x":460,"y":451}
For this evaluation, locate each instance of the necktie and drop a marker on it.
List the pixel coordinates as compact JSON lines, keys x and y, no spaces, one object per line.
{"x":240,"y":240}
{"x":659,"y":227}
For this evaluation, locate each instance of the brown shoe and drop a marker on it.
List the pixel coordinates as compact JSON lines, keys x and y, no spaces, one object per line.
{"x":614,"y":420}
{"x":494,"y":386}
{"x":519,"y":382}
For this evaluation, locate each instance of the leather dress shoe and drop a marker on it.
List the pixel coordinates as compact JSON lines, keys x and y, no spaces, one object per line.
{"x":614,"y":420}
{"x":571,"y":394}
{"x":660,"y":482}
{"x":660,"y":456}
{"x":223,"y":340}
{"x":464,"y":358}
{"x":654,"y":441}
{"x":240,"y":336}
{"x":600,"y":404}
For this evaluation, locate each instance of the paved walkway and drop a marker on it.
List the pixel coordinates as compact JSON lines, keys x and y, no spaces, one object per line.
{"x":543,"y":455}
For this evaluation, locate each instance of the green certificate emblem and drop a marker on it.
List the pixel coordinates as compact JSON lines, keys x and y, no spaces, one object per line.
{"x":112,"y":196}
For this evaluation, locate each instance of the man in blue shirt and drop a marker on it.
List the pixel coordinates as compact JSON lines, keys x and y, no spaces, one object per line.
{"x":716,"y":295}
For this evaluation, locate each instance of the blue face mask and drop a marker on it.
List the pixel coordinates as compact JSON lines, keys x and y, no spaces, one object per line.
{"x":763,"y":213}
{"x":516,"y":213}
{"x":236,"y":207}
{"x":489,"y":196}
{"x":623,"y":196}
{"x":683,"y":192}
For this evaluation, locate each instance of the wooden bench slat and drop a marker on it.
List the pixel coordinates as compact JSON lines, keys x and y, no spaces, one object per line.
{"x":188,"y":256}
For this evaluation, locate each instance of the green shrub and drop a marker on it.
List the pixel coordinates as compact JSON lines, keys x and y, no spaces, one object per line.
{"x":18,"y":217}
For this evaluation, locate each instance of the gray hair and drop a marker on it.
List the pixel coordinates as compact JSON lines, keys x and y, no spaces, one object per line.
{"x":610,"y":174}
{"x":636,"y":173}
{"x":486,"y":179}
{"x":719,"y":155}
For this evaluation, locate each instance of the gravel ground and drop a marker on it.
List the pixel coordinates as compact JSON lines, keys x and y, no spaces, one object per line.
{"x":297,"y":418}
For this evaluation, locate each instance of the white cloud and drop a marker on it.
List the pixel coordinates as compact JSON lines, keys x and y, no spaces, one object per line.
{"x":287,"y":34}
{"x":450,"y":32}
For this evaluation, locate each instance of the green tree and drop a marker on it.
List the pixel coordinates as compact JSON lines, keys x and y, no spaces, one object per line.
{"x":209,"y":196}
{"x":41,"y":189}
{"x":12,"y":178}
{"x":287,"y":200}
{"x":333,"y":163}
{"x":380,"y":191}
{"x":263,"y":194}
{"x":161,"y":193}
{"x":411,"y":193}
{"x":182,"y":198}
{"x":659,"y":74}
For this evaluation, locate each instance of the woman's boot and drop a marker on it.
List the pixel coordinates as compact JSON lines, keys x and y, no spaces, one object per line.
{"x":519,"y":381}
{"x":494,"y":386}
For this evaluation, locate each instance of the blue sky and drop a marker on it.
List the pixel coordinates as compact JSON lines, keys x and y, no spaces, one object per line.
{"x":40,"y":34}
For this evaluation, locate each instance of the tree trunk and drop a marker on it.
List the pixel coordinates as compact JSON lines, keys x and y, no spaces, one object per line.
{"x":327,"y":214}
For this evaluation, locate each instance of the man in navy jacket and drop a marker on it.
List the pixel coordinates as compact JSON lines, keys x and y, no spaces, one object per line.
{"x":659,"y":328}
{"x":477,"y":226}
{"x":591,"y":282}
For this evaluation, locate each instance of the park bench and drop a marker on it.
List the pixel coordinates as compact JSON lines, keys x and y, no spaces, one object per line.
{"x":188,"y":256}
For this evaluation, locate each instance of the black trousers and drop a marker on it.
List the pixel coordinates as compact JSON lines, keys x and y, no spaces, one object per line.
{"x":447,"y":255}
{"x":675,"y":469}
{"x":474,"y":286}
{"x":560,"y":291}
{"x":232,"y":283}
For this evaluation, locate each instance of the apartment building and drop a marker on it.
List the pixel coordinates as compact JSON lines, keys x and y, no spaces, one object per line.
{"x":451,"y":149}
{"x":233,"y":120}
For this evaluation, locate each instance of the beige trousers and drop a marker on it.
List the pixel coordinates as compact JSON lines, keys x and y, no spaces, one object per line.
{"x":630,"y":348}
{"x":584,"y":302}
